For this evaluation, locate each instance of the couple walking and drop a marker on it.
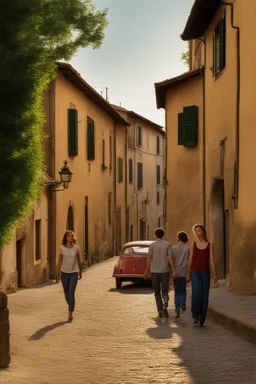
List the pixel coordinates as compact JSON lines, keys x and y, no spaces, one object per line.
{"x":188,"y":263}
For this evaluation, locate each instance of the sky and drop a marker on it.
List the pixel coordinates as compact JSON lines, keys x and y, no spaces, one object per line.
{"x":142,"y":45}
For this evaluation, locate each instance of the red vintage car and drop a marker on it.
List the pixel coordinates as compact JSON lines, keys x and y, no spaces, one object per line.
{"x":131,"y":264}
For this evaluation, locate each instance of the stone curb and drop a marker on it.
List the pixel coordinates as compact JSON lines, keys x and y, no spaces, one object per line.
{"x":239,"y":326}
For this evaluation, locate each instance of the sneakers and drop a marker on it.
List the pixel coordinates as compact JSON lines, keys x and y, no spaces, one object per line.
{"x":161,"y":314}
{"x":165,"y":302}
{"x":195,"y":320}
{"x":177,"y":310}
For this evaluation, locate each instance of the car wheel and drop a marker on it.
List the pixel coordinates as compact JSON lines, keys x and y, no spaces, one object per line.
{"x":118,"y":283}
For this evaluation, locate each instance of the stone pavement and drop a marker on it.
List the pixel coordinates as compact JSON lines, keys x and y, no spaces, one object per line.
{"x":116,"y":338}
{"x":238,"y":313}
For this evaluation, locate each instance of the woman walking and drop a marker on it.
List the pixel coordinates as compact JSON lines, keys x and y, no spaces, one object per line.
{"x":201,"y":262}
{"x":180,"y":254}
{"x":69,"y":265}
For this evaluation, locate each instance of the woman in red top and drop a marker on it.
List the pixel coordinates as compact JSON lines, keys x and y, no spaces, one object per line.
{"x":201,"y":262}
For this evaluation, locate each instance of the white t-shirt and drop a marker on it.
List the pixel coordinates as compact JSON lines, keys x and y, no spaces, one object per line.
{"x":69,"y":261}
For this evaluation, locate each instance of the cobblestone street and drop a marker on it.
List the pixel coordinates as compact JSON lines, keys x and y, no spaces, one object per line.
{"x":115,"y":338}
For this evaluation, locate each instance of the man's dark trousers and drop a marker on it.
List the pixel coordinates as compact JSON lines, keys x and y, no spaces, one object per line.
{"x":160,"y":282}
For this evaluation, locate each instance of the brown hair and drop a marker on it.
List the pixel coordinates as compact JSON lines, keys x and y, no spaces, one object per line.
{"x":64,"y":239}
{"x":182,"y":236}
{"x":159,"y":232}
{"x":203,"y":230}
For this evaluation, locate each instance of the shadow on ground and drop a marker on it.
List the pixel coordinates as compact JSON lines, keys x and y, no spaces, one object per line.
{"x":41,"y":332}
{"x":134,"y":289}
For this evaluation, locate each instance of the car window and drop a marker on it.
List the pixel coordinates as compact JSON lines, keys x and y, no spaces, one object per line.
{"x":136,"y":249}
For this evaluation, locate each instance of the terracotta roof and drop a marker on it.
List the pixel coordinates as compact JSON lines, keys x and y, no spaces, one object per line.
{"x":201,"y":15}
{"x":137,"y":116}
{"x":76,"y":79}
{"x":161,"y":88}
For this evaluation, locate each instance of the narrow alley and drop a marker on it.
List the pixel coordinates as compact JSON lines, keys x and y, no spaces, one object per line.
{"x":116,"y":338}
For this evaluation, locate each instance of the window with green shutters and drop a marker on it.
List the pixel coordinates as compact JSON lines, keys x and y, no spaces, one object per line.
{"x":72,"y":133}
{"x":139,"y":136}
{"x":188,"y":126}
{"x":219,"y":48}
{"x":90,"y":139}
{"x":120,"y":170}
{"x":130,"y":171}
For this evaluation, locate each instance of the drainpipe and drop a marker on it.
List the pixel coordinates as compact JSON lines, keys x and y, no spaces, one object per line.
{"x":126,"y":184}
{"x":114,"y":231}
{"x":204,"y":137}
{"x":238,"y":75}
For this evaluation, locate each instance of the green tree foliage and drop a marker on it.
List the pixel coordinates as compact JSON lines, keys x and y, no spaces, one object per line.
{"x":34,"y":34}
{"x":185,"y":58}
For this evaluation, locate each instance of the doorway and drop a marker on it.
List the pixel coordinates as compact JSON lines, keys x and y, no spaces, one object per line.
{"x":70,"y":219}
{"x":118,"y":231}
{"x":19,"y":262}
{"x":142,"y":229}
{"x":218,"y":220}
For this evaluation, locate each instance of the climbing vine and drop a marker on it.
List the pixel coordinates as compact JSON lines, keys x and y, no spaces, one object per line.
{"x":34,"y":34}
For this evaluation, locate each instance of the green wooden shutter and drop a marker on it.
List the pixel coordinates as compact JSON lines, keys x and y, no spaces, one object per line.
{"x":222,"y":27}
{"x":158,"y":175}
{"x":180,"y":128}
{"x":213,"y":58}
{"x":72,"y":133}
{"x":90,"y":140}
{"x":190,"y":126}
{"x":130,"y":171}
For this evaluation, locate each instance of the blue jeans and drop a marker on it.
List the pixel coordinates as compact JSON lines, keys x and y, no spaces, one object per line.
{"x":200,"y":295}
{"x":160,"y":283}
{"x":69,"y":282}
{"x":180,"y":292}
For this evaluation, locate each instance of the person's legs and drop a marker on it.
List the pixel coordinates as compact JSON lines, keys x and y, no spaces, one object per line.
{"x":176,"y":284}
{"x":205,"y":288}
{"x":196,"y":294}
{"x":65,"y":284}
{"x":183,"y":293}
{"x":72,"y":288}
{"x":156,"y":281}
{"x":165,"y":278}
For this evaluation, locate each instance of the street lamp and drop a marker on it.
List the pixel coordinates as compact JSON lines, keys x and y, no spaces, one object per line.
{"x":65,"y":175}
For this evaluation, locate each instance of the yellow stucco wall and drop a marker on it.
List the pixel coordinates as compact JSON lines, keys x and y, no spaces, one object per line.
{"x":184,"y":165}
{"x":220,"y":124}
{"x":88,"y":178}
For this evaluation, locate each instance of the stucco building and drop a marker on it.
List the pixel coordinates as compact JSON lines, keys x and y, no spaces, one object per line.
{"x":143,"y":178}
{"x":219,"y":89}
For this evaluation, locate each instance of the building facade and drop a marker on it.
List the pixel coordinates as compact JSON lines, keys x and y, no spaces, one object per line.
{"x":144,"y":192}
{"x":219,"y":48}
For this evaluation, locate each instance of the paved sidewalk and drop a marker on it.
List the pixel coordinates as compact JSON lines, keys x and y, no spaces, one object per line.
{"x":235,"y":312}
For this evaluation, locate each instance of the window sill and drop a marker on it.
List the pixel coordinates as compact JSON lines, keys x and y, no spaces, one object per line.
{"x":37,"y":262}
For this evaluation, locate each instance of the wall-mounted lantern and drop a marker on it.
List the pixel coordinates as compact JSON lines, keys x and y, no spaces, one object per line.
{"x":65,"y":178}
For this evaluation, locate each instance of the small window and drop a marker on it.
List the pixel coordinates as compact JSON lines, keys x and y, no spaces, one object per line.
{"x":110,"y":152}
{"x":120,"y":170}
{"x":219,"y":48}
{"x":158,"y":198}
{"x":130,"y":171}
{"x":139,"y":176}
{"x":90,"y":139}
{"x":158,"y":175}
{"x":188,"y":126}
{"x":159,"y":222}
{"x":72,"y":133}
{"x":158,"y":145}
{"x":139,"y":136}
{"x":37,"y":239}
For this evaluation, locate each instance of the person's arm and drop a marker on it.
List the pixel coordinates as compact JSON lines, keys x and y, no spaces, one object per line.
{"x":149,"y":259}
{"x":171,"y":262}
{"x":212,"y":264}
{"x":58,"y":267}
{"x":79,"y":264}
{"x":190,"y":262}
